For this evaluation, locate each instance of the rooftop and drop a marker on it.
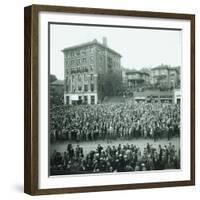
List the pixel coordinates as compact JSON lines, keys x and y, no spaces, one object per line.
{"x":133,"y":71}
{"x":93,"y":42}
{"x":166,"y":67}
{"x":161,"y":67}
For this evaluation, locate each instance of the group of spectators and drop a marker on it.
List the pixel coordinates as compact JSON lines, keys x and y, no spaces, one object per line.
{"x":114,"y":121}
{"x":120,"y":158}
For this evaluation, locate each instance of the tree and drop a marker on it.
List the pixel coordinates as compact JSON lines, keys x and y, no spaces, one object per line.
{"x":112,"y":83}
{"x":52,"y":78}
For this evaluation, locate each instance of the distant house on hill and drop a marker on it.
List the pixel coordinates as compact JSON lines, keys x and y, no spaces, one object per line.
{"x":166,"y":75}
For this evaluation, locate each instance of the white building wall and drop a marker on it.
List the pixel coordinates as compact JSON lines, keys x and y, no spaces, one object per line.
{"x":177,"y":95}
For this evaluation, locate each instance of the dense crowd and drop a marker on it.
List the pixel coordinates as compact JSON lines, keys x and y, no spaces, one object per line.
{"x":114,"y":121}
{"x":121,"y":158}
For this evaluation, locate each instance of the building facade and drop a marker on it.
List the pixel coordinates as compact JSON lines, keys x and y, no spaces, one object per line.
{"x":85,"y":65}
{"x":177,"y":96}
{"x":170,"y":96}
{"x":165,"y":75}
{"x":136,"y":78}
{"x":154,"y":96}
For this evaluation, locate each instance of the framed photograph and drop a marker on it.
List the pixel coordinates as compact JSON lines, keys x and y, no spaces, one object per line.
{"x":109,"y":99}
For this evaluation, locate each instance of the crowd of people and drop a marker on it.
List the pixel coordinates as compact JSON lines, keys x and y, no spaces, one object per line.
{"x":120,"y":158}
{"x":112,"y":121}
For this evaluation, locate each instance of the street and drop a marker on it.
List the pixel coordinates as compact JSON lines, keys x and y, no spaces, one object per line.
{"x":92,"y":145}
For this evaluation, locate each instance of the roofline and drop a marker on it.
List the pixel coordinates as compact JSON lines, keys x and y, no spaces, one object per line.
{"x":131,"y":72}
{"x":160,"y":67}
{"x":79,"y":45}
{"x":88,"y":44}
{"x":165,"y":67}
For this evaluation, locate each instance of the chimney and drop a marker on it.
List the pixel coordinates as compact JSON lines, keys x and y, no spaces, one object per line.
{"x":105,"y":41}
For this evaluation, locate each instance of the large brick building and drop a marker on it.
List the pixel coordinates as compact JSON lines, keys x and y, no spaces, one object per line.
{"x":85,"y":65}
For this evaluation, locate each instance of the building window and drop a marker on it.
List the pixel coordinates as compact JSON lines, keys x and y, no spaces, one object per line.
{"x":72,"y":54}
{"x":78,"y":69}
{"x":85,"y":78}
{"x":110,"y":61}
{"x":89,"y":50}
{"x":85,"y":99}
{"x":79,"y":98}
{"x":79,"y":88}
{"x":67,"y":100}
{"x":66,"y":71}
{"x":86,"y":69}
{"x":84,"y":60}
{"x":92,"y":87}
{"x":85,"y":88}
{"x":92,"y":78}
{"x":91,"y":68}
{"x":92,"y":99}
{"x":66,"y":88}
{"x":91,"y":59}
{"x":83,"y":52}
{"x":72,"y":62}
{"x":78,"y":52}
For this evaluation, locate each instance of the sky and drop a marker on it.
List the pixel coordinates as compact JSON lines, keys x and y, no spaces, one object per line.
{"x":140,"y":48}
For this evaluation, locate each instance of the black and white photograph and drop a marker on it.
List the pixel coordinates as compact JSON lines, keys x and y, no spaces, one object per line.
{"x":114,"y":99}
{"x":109,"y":99}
